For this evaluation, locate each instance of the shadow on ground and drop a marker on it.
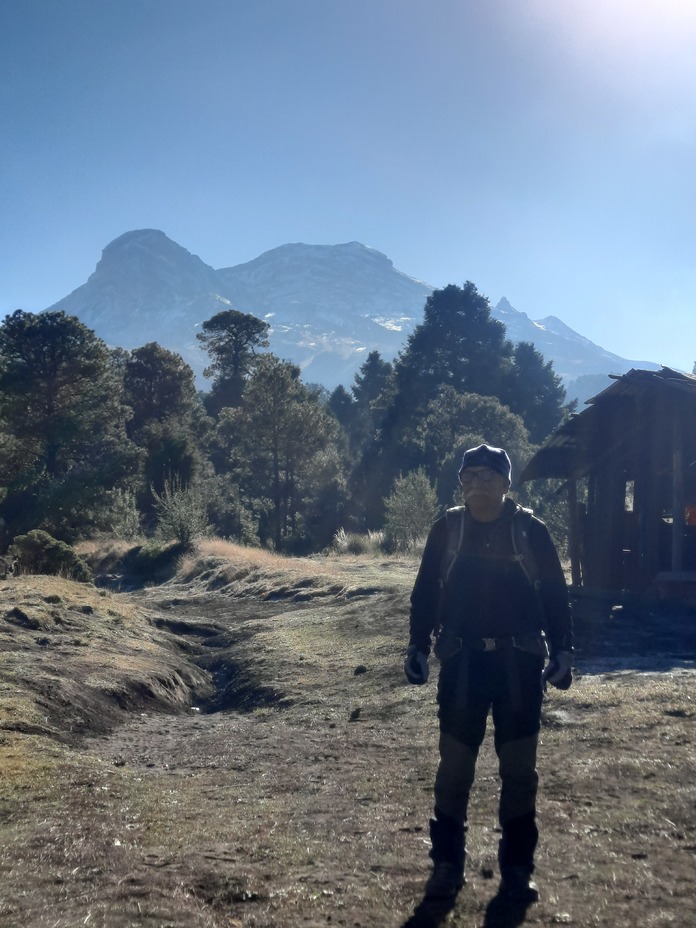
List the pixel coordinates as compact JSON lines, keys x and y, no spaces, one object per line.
{"x":631,"y":632}
{"x":501,"y":912}
{"x":430,"y":913}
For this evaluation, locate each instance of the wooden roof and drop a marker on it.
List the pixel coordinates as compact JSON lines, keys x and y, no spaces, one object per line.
{"x":573,"y":451}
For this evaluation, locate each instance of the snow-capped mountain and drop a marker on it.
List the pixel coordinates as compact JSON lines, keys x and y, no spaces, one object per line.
{"x":147,"y":288}
{"x":573,"y":355}
{"x":328,"y":306}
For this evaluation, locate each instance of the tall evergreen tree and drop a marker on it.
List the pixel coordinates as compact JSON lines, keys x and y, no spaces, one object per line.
{"x":168,"y":420}
{"x":458,"y":344}
{"x":158,"y":385}
{"x":343,"y":406}
{"x":63,"y":424}
{"x":231,"y":339}
{"x":361,"y":410}
{"x":372,"y":395}
{"x":458,"y":349}
{"x":371,"y":380}
{"x":283,"y":448}
{"x":533,"y":390}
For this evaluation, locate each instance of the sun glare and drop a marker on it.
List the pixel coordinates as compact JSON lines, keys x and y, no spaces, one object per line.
{"x":634,"y":26}
{"x":634,"y":44}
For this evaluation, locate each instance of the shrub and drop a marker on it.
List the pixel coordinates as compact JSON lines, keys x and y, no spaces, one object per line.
{"x":182,"y":512}
{"x":349,"y":543}
{"x":121,"y":517}
{"x":411,"y":509}
{"x":37,"y":552}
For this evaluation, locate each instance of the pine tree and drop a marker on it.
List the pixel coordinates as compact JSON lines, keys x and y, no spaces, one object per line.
{"x":283,"y":447}
{"x":533,"y":390}
{"x":231,"y":339}
{"x":63,"y":424}
{"x":168,"y":421}
{"x":458,"y":345}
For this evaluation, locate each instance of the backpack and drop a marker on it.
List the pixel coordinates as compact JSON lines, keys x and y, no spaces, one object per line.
{"x":522,"y":547}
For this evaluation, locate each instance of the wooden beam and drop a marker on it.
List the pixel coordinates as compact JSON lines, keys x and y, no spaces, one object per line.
{"x":574,"y":534}
{"x":677,"y":489}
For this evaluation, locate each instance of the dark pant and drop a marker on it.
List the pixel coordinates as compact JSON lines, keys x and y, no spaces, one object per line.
{"x":508,"y":684}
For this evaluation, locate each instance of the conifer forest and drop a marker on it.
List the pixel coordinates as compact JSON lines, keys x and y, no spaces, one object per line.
{"x":100,"y":440}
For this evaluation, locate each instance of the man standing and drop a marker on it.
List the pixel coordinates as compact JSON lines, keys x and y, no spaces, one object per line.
{"x":491,"y":589}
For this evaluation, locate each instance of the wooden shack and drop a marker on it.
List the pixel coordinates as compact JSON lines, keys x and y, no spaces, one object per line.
{"x":629,"y":462}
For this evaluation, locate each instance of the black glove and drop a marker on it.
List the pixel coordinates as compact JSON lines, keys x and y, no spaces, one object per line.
{"x":416,"y":666}
{"x":559,"y":671}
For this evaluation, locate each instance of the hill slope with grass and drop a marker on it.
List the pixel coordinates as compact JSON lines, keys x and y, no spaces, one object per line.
{"x":236,"y":746}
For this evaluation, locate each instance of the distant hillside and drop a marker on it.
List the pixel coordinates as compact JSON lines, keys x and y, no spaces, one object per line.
{"x":328,"y":306}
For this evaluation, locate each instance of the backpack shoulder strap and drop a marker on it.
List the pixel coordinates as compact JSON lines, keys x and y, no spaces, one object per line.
{"x":455,"y":537}
{"x":521,"y":522}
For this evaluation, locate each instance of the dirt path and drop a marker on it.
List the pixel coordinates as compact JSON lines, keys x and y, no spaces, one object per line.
{"x":304,"y":802}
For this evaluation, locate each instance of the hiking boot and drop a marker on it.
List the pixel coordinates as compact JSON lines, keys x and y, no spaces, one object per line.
{"x":445,"y":881}
{"x":517,"y":885}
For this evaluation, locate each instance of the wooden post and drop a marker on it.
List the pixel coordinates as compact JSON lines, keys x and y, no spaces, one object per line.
{"x":574,"y":533}
{"x":677,"y":490}
{"x":589,"y":532}
{"x":653,"y":415}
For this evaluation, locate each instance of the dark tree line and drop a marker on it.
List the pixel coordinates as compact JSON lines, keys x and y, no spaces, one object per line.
{"x":92,"y":439}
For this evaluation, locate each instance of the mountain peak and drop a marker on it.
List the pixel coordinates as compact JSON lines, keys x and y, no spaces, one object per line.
{"x":136,"y":236}
{"x":298,"y":254}
{"x":327,"y":305}
{"x":554,"y":324}
{"x":503,"y":309}
{"x":146,"y":287}
{"x":145,"y":241}
{"x":150,"y":254}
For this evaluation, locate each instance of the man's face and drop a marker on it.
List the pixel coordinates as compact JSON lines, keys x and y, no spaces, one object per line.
{"x":483,"y":484}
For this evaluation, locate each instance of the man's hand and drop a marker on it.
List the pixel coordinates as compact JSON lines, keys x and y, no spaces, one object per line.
{"x":559,"y":671}
{"x":416,"y":666}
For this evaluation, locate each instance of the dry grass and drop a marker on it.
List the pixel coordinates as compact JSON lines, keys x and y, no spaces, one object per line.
{"x":103,"y":552}
{"x":242,"y":555}
{"x":226,"y":567}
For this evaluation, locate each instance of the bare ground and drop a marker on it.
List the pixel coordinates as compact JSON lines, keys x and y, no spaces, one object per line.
{"x":242,"y":750}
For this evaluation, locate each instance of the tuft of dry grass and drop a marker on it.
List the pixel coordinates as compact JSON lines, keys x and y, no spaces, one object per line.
{"x":241,"y":555}
{"x":353,"y":543}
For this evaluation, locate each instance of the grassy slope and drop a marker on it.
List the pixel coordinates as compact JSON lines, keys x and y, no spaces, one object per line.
{"x":77,"y":660}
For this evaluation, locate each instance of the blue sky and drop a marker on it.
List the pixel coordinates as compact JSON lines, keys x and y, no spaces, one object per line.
{"x":544,"y":149}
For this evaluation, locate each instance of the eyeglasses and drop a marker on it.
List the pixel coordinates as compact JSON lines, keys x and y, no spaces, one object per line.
{"x":485,"y":475}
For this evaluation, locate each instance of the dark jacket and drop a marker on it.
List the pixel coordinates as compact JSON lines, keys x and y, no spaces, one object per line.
{"x":488,"y":594}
